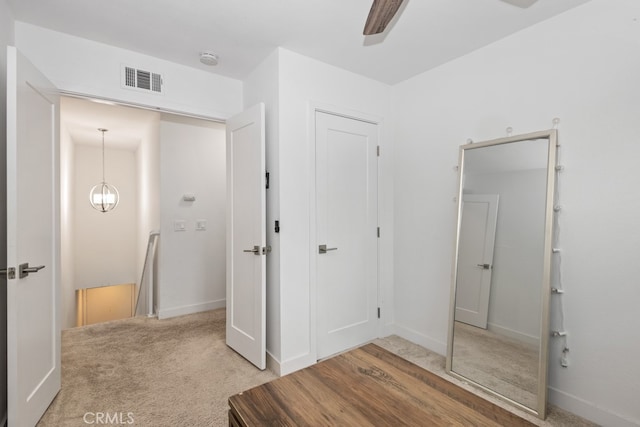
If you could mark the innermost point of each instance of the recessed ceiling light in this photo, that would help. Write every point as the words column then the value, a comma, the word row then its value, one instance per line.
column 208, row 58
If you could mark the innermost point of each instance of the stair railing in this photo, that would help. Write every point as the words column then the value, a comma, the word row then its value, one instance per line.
column 148, row 268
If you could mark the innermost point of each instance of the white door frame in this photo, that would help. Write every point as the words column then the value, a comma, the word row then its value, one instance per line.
column 313, row 242
column 119, row 102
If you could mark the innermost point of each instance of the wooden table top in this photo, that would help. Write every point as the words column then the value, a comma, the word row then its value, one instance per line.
column 368, row 386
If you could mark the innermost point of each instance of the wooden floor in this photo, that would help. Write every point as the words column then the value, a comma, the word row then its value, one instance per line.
column 368, row 386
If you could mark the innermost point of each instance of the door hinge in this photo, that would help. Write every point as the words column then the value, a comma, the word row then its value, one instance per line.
column 378, row 312
column 266, row 175
column 378, row 150
column 378, row 232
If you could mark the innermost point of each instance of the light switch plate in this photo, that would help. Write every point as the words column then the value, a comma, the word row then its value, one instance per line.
column 179, row 225
column 201, row 224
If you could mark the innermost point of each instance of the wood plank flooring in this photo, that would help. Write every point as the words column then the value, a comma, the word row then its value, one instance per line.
column 368, row 386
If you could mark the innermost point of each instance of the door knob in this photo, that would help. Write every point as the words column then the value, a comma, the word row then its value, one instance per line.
column 323, row 249
column 484, row 266
column 24, row 270
column 255, row 250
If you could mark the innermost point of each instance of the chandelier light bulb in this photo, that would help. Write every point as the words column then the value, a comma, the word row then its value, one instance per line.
column 104, row 197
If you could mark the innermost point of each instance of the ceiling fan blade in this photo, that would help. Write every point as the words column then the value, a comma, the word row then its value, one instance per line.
column 521, row 3
column 381, row 13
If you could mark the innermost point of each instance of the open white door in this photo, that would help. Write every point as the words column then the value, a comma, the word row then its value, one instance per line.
column 246, row 235
column 33, row 300
column 475, row 258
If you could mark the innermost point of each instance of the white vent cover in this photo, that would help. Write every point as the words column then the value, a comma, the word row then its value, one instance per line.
column 146, row 81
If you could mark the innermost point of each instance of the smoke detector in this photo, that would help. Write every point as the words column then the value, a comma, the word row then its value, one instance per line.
column 208, row 58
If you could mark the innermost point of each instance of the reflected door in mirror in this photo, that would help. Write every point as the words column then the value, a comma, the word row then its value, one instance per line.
column 475, row 258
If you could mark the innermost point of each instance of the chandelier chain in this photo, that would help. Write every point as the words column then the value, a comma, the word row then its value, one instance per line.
column 103, row 173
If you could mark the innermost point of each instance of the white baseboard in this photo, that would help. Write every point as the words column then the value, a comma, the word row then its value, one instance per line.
column 589, row 410
column 273, row 364
column 281, row 368
column 297, row 363
column 421, row 339
column 386, row 329
column 165, row 313
column 305, row 360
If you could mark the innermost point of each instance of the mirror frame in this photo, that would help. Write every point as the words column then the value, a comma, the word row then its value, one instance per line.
column 552, row 136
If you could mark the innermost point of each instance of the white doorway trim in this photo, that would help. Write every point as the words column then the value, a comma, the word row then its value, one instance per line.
column 313, row 108
column 113, row 101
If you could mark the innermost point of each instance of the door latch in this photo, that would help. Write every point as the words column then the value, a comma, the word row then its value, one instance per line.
column 9, row 272
column 24, row 270
column 257, row 250
column 484, row 266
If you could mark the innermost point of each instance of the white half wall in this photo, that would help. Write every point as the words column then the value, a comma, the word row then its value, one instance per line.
column 148, row 180
column 191, row 263
column 582, row 67
column 67, row 228
column 82, row 66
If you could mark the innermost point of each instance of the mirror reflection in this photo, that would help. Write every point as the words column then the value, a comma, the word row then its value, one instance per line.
column 501, row 272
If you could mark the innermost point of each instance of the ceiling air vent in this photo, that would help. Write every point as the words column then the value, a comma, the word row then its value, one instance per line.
column 146, row 81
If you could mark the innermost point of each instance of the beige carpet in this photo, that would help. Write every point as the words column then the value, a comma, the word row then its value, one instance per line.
column 175, row 372
column 179, row 372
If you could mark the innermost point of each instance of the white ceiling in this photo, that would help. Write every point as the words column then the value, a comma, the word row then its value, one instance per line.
column 424, row 34
column 126, row 126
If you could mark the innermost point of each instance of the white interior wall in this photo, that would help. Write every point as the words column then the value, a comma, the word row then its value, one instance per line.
column 105, row 247
column 301, row 83
column 82, row 66
column 515, row 299
column 6, row 38
column 191, row 266
column 582, row 67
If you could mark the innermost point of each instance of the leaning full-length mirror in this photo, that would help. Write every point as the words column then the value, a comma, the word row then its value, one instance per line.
column 499, row 317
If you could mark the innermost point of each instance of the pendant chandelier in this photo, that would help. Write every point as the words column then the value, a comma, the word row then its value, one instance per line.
column 104, row 197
